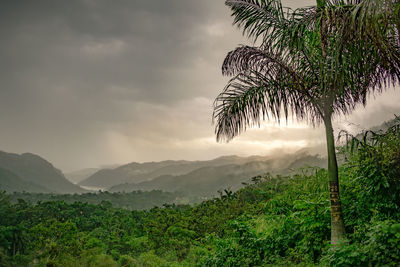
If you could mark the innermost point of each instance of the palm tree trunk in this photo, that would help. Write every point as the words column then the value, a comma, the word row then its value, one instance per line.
column 337, row 224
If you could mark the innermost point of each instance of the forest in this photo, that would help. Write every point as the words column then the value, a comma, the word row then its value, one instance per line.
column 274, row 221
column 137, row 200
column 312, row 64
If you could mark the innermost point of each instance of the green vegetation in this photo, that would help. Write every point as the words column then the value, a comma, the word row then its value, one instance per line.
column 275, row 221
column 137, row 200
column 10, row 182
column 311, row 63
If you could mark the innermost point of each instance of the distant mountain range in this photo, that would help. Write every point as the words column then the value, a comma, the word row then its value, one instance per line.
column 80, row 175
column 199, row 178
column 204, row 181
column 31, row 173
column 139, row 172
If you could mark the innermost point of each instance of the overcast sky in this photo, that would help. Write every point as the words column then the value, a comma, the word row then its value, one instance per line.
column 92, row 82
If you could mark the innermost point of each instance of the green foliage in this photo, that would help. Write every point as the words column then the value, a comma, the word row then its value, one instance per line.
column 241, row 248
column 55, row 237
column 380, row 247
column 293, row 227
column 137, row 200
column 374, row 176
column 100, row 261
column 307, row 65
column 274, row 221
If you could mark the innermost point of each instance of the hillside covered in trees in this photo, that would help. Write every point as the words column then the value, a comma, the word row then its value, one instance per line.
column 201, row 178
column 274, row 221
column 32, row 173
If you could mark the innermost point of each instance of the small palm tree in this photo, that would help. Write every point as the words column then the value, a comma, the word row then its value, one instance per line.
column 312, row 63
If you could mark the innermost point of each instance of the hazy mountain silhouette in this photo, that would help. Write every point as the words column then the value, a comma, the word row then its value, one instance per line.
column 10, row 182
column 80, row 175
column 206, row 181
column 34, row 170
column 139, row 172
column 31, row 173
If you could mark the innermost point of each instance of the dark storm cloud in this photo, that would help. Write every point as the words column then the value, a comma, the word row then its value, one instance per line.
column 94, row 81
column 134, row 44
column 72, row 70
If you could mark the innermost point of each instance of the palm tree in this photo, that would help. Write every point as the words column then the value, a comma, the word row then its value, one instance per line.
column 312, row 63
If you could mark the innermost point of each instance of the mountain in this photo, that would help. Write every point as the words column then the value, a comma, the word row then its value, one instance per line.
column 385, row 125
column 10, row 182
column 134, row 173
column 304, row 161
column 206, row 181
column 139, row 172
column 129, row 172
column 34, row 170
column 80, row 175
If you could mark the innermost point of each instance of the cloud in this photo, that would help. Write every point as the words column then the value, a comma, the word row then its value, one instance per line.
column 91, row 82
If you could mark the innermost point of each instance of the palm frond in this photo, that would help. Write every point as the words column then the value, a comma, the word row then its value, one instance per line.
column 246, row 58
column 368, row 24
column 323, row 60
column 250, row 98
column 256, row 17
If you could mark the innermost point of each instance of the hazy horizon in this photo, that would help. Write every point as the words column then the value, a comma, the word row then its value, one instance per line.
column 88, row 83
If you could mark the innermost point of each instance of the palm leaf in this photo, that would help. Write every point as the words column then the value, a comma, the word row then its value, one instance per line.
column 252, row 97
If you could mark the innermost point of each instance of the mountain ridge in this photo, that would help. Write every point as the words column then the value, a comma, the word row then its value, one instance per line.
column 10, row 182
column 31, row 168
column 207, row 180
column 139, row 172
